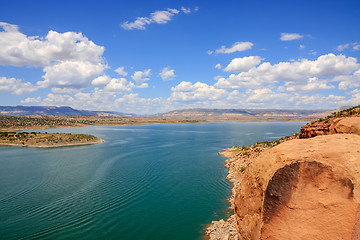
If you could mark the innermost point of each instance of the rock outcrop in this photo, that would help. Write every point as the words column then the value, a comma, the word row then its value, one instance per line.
column 337, row 125
column 302, row 189
column 342, row 120
column 315, row 129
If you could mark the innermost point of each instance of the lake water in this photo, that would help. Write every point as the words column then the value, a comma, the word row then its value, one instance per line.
column 162, row 181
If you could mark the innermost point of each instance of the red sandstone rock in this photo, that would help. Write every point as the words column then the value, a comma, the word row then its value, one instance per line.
column 333, row 126
column 346, row 125
column 302, row 189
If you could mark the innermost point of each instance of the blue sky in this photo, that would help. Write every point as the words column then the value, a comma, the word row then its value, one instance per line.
column 144, row 57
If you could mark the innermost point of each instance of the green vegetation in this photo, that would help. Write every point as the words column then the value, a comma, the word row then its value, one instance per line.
column 349, row 111
column 248, row 150
column 190, row 121
column 41, row 122
column 273, row 143
column 353, row 111
column 7, row 122
column 45, row 139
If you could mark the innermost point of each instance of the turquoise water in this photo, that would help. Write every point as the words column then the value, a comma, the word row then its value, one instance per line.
column 162, row 181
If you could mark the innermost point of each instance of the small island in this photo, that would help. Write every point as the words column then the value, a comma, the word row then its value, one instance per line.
column 46, row 140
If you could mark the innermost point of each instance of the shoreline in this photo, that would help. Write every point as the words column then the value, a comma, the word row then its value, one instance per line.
column 226, row 228
column 238, row 159
column 156, row 121
column 150, row 123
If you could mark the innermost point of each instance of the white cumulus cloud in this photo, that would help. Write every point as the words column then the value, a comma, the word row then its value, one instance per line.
column 265, row 95
column 70, row 74
column 159, row 17
column 325, row 68
column 31, row 100
column 348, row 81
column 59, row 100
column 64, row 90
column 139, row 23
column 186, row 91
column 243, row 64
column 16, row 86
column 167, row 74
column 121, row 71
column 141, row 76
column 132, row 102
column 69, row 60
column 17, row 49
column 119, row 85
column 313, row 84
column 101, row 80
column 236, row 47
column 290, row 36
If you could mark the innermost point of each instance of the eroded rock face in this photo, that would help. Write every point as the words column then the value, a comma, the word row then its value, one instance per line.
column 315, row 129
column 346, row 125
column 302, row 189
column 338, row 125
column 311, row 203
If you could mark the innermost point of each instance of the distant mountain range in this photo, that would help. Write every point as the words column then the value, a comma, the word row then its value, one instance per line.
column 196, row 112
column 51, row 110
column 282, row 113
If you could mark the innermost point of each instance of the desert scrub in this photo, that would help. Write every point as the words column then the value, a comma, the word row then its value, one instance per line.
column 344, row 113
column 34, row 138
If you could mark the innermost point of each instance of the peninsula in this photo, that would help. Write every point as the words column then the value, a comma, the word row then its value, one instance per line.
column 45, row 140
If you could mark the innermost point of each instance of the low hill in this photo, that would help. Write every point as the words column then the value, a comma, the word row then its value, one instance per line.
column 202, row 113
column 254, row 113
column 52, row 110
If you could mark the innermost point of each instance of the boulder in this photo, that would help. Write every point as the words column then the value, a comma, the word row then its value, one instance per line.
column 346, row 125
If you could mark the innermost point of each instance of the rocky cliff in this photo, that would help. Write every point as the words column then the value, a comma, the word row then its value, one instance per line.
column 302, row 189
column 297, row 188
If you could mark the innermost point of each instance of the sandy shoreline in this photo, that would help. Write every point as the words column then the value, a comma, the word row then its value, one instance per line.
column 50, row 146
